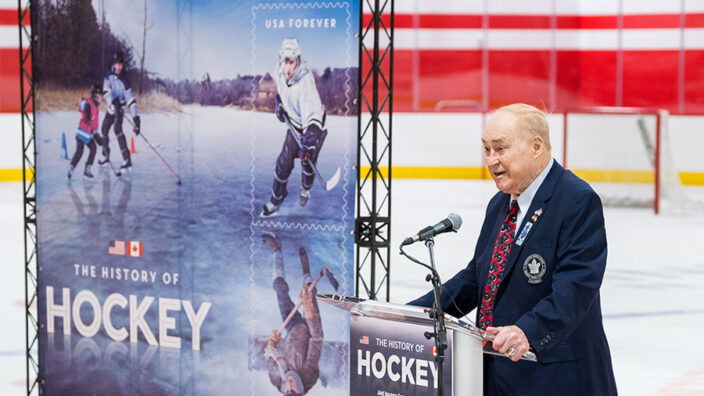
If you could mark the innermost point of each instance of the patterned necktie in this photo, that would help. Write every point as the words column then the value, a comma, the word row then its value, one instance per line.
column 502, row 248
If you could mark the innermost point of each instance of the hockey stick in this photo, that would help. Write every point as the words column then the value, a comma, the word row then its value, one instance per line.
column 329, row 184
column 330, row 277
column 156, row 152
column 116, row 172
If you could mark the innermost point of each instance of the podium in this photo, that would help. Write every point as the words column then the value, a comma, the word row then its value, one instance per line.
column 389, row 354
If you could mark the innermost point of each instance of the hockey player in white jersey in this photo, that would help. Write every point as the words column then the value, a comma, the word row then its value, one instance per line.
column 298, row 102
column 118, row 94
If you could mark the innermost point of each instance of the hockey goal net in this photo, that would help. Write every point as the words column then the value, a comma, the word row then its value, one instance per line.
column 625, row 154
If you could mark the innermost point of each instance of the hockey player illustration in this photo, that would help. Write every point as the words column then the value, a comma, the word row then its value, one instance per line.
column 295, row 370
column 118, row 95
column 86, row 133
column 298, row 105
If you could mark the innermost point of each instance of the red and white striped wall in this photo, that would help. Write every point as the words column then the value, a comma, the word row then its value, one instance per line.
column 10, row 127
column 9, row 58
column 465, row 56
column 553, row 54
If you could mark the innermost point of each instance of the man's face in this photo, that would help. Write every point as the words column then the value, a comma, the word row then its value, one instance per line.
column 117, row 66
column 291, row 386
column 289, row 67
column 509, row 157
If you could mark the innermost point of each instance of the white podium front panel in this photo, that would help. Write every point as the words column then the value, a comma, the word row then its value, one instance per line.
column 391, row 322
column 467, row 365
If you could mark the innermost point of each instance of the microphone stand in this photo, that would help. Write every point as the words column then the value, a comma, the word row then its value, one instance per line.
column 436, row 313
column 438, row 316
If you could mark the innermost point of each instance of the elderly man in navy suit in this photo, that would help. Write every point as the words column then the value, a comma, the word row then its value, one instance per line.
column 537, row 268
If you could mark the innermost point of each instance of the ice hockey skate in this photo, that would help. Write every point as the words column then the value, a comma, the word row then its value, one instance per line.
column 269, row 210
column 87, row 172
column 104, row 159
column 305, row 196
column 126, row 165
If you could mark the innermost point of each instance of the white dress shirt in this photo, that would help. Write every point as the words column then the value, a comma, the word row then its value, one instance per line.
column 525, row 199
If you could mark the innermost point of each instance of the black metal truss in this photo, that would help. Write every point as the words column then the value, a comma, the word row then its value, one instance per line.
column 373, row 220
column 29, row 190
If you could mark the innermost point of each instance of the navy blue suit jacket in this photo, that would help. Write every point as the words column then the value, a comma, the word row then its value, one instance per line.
column 550, row 290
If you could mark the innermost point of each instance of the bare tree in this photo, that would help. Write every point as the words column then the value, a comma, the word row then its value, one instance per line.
column 142, row 73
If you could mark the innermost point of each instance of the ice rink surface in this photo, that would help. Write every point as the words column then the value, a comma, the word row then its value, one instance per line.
column 652, row 295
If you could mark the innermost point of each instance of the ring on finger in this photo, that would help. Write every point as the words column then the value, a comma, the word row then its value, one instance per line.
column 511, row 352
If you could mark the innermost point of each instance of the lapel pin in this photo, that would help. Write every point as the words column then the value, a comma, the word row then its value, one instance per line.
column 524, row 233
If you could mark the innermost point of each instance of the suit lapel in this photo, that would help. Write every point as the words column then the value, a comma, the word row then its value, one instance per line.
column 534, row 215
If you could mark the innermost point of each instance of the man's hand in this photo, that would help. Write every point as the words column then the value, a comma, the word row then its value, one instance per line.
column 280, row 112
column 274, row 338
column 114, row 106
column 506, row 337
column 306, row 296
column 137, row 124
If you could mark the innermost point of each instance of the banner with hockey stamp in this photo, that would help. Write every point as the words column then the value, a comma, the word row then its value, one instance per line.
column 195, row 189
column 303, row 187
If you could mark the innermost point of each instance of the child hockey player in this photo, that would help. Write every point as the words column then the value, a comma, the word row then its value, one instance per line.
column 86, row 134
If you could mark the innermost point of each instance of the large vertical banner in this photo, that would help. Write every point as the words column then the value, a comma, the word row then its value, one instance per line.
column 301, row 196
column 195, row 189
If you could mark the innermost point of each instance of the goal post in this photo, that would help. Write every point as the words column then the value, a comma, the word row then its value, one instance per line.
column 622, row 152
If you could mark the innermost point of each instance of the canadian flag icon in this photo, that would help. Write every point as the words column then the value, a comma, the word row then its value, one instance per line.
column 134, row 249
column 433, row 350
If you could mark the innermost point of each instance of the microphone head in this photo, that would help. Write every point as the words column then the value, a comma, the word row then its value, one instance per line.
column 456, row 221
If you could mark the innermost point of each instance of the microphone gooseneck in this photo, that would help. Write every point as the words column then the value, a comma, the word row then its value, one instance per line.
column 452, row 223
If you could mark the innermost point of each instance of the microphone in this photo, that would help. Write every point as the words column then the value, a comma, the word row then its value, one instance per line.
column 451, row 223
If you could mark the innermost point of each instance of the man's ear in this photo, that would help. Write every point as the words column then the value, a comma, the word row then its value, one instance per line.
column 537, row 145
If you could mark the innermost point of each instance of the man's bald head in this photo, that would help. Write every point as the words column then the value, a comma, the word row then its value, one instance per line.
column 516, row 146
column 530, row 121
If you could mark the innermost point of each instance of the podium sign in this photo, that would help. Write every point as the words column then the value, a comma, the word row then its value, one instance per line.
column 389, row 354
column 394, row 358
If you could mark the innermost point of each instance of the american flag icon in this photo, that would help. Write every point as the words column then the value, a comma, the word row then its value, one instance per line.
column 117, row 248
column 364, row 340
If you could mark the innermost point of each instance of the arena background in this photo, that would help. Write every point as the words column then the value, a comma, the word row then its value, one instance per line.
column 454, row 61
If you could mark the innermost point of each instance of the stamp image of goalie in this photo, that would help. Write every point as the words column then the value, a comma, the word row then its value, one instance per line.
column 298, row 105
